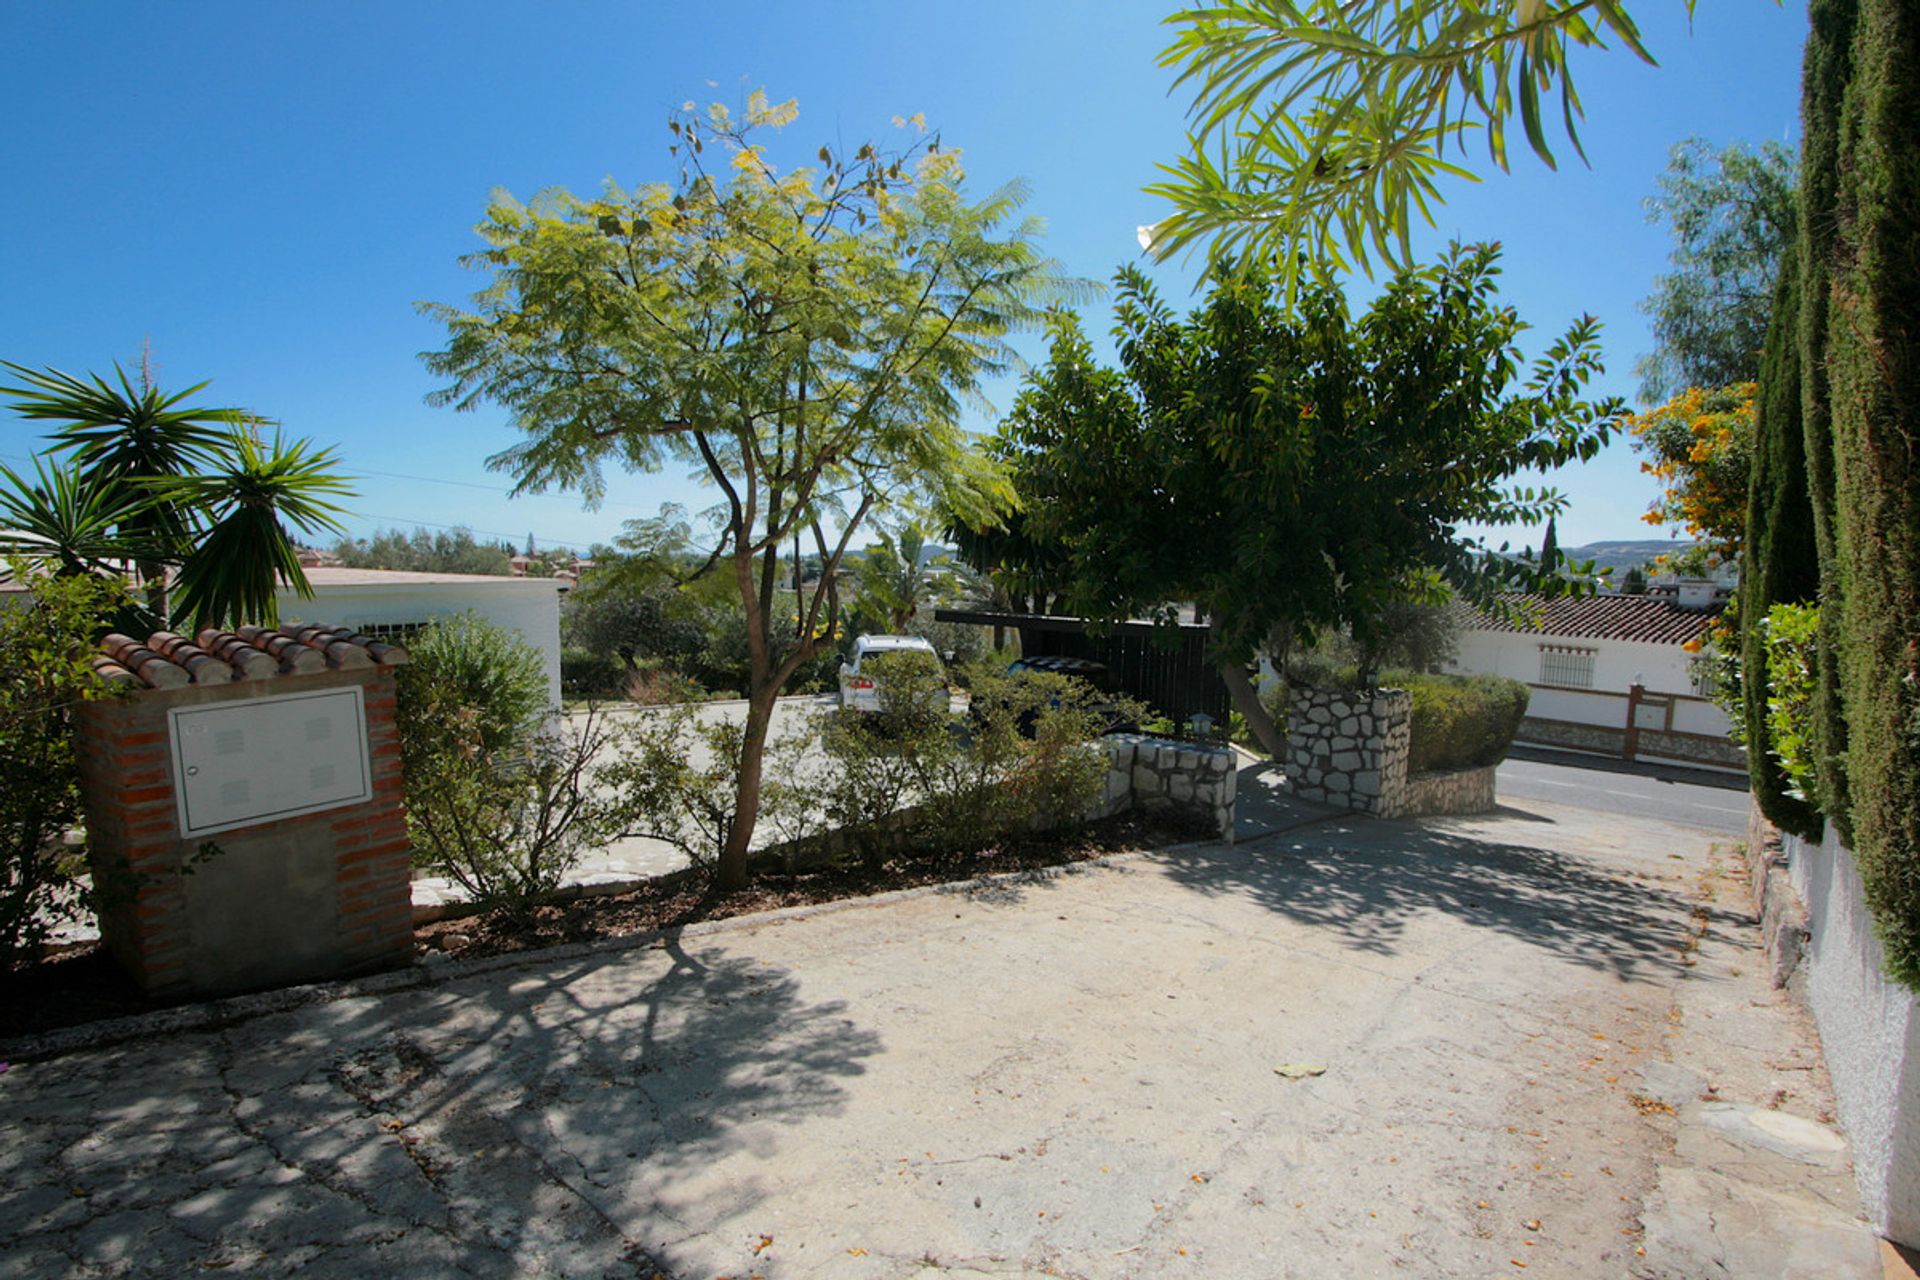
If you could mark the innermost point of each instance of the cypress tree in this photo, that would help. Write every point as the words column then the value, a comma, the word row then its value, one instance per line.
column 1823, row 87
column 1779, row 564
column 1873, row 353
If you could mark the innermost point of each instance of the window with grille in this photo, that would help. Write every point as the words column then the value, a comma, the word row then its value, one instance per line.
column 1567, row 667
column 390, row 632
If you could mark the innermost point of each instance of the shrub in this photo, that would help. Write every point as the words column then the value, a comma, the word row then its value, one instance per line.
column 508, row 824
column 677, row 774
column 1460, row 722
column 914, row 779
column 468, row 678
column 495, row 801
column 1790, row 639
column 44, row 674
column 588, row 676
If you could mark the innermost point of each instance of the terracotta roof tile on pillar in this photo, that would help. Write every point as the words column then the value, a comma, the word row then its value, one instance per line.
column 168, row 661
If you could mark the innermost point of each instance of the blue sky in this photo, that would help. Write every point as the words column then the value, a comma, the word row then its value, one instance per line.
column 265, row 191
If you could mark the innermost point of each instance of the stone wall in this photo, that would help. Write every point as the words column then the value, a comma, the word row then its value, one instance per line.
column 1607, row 740
column 1154, row 773
column 1350, row 748
column 1449, row 791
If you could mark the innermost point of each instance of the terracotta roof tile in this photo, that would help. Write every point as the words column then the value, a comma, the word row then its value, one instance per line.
column 1646, row 619
column 169, row 661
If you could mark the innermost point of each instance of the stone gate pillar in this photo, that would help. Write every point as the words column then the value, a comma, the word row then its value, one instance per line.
column 243, row 804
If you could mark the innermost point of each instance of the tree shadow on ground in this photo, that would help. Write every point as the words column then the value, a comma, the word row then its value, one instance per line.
column 1366, row 881
column 562, row 1118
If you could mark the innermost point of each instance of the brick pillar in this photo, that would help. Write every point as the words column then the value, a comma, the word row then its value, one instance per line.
column 257, row 901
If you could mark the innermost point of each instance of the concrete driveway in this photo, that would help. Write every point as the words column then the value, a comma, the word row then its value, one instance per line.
column 1109, row 1073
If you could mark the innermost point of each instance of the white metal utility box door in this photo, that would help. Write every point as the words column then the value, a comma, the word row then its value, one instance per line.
column 243, row 763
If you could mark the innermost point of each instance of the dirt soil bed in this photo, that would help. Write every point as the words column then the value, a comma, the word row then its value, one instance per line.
column 85, row 984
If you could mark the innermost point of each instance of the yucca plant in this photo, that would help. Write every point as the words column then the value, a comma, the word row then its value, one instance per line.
column 251, row 493
column 189, row 494
column 67, row 519
column 120, row 437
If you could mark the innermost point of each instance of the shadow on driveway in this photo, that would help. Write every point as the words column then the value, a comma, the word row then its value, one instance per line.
column 1366, row 880
column 516, row 1123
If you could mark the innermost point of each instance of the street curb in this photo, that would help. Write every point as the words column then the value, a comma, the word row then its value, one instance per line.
column 428, row 972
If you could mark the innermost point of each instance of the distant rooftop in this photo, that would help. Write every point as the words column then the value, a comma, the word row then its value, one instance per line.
column 1647, row 619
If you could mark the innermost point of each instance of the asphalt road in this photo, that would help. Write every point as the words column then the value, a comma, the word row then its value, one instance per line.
column 1700, row 798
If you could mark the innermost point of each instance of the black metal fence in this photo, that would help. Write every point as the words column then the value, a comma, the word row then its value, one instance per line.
column 1176, row 681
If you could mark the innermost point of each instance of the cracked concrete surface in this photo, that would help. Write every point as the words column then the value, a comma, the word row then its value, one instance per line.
column 1072, row 1078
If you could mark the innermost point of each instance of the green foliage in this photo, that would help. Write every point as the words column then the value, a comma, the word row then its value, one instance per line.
column 172, row 488
column 1789, row 637
column 1779, row 567
column 44, row 676
column 1732, row 213
column 508, row 823
column 678, row 775
column 1417, row 634
column 1829, row 61
column 589, row 677
column 495, row 799
column 913, row 780
column 1288, row 473
column 1873, row 363
column 804, row 339
column 1635, row 583
column 1319, row 126
column 657, row 623
column 244, row 553
column 1460, row 722
column 424, row 551
column 469, row 686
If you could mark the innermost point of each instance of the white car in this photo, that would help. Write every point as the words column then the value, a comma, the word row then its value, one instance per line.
column 856, row 691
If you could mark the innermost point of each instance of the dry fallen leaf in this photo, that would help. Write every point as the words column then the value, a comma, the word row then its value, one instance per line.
column 858, row 1253
column 766, row 1243
column 1299, row 1070
column 1531, row 1224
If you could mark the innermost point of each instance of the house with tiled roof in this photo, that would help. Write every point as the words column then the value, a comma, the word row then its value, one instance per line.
column 1608, row 673
column 390, row 604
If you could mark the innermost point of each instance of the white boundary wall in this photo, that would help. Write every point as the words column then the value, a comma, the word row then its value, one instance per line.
column 1870, row 1029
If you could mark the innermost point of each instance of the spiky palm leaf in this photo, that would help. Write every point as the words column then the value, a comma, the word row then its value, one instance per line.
column 66, row 518
column 250, row 495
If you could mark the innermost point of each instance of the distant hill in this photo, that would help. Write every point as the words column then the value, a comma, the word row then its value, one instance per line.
column 1624, row 555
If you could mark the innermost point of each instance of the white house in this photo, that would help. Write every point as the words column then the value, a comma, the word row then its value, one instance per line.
column 1609, row 673
column 387, row 603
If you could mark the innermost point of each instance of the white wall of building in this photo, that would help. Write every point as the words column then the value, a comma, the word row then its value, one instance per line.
column 365, row 597
column 1662, row 668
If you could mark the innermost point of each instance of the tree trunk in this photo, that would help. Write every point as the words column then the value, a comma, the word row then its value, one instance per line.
column 730, row 872
column 1247, row 702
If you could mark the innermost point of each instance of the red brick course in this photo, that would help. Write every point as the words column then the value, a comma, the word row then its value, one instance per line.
column 127, row 780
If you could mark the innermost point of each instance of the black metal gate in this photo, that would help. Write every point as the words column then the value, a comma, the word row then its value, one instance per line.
column 1176, row 681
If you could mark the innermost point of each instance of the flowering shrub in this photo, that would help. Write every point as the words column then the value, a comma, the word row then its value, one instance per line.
column 1699, row 445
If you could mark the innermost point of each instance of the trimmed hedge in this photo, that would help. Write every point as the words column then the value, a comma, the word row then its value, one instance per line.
column 1873, row 362
column 1828, row 67
column 1781, row 564
column 1460, row 722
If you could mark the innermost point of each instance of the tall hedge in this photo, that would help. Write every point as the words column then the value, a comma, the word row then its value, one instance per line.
column 1873, row 364
column 1829, row 58
column 1780, row 563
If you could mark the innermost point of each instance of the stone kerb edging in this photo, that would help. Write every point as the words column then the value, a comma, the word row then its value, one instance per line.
column 1155, row 773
